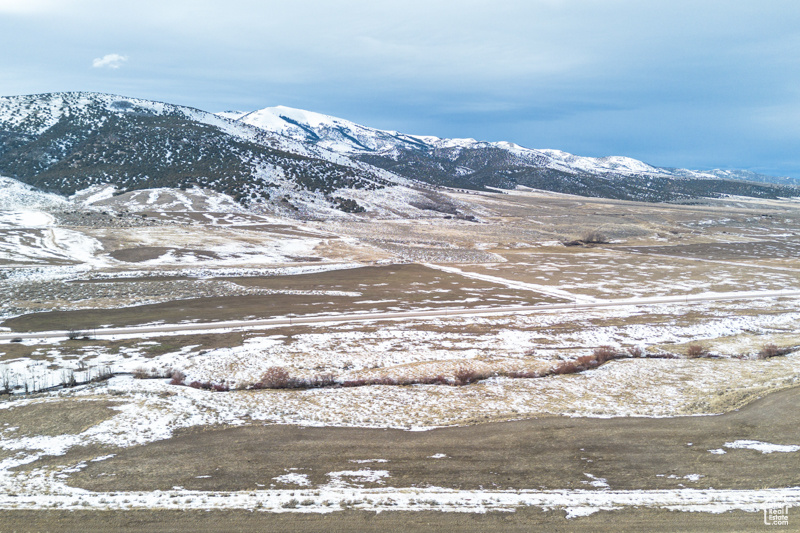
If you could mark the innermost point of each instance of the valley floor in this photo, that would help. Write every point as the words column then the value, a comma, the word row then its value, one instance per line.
column 627, row 443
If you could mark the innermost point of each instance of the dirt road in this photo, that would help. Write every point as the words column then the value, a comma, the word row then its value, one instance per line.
column 221, row 327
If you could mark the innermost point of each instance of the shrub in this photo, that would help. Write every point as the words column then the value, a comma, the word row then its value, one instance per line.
column 275, row 377
column 567, row 367
column 407, row 380
column 103, row 374
column 141, row 373
column 464, row 375
column 604, row 353
column 178, row 378
column 322, row 380
column 635, row 351
column 586, row 362
column 660, row 355
column 695, row 350
column 767, row 351
column 770, row 350
column 291, row 504
column 594, row 237
column 5, row 380
column 523, row 374
column 433, row 380
column 68, row 378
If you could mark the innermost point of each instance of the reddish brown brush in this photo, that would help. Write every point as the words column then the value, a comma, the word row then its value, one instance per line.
column 695, row 350
column 275, row 377
column 604, row 354
column 635, row 351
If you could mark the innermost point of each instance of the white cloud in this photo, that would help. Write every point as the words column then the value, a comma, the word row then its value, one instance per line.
column 109, row 61
column 24, row 7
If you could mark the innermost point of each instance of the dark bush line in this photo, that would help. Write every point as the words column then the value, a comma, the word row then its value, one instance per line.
column 207, row 385
column 588, row 238
column 770, row 350
column 279, row 378
column 153, row 373
column 424, row 380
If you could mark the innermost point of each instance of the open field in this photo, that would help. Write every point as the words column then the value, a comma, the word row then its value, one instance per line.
column 694, row 472
column 614, row 437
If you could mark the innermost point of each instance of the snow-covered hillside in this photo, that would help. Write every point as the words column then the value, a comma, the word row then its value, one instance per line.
column 68, row 142
column 16, row 196
column 335, row 134
column 346, row 137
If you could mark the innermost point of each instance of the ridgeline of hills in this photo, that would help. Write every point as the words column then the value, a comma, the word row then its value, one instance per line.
column 307, row 164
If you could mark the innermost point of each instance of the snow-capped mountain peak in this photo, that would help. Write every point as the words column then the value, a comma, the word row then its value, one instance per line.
column 348, row 138
column 328, row 132
column 371, row 144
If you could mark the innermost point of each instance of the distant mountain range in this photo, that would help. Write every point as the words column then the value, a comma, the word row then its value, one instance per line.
column 307, row 164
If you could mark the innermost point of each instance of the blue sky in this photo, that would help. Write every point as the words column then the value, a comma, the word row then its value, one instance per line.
column 696, row 84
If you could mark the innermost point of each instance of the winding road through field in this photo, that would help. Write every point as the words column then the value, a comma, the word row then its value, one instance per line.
column 212, row 327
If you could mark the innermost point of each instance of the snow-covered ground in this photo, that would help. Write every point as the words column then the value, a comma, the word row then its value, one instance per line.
column 149, row 410
column 196, row 235
column 41, row 493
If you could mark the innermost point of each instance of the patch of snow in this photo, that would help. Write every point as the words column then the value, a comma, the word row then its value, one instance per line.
column 293, row 478
column 18, row 196
column 348, row 478
column 594, row 481
column 763, row 447
column 25, row 219
column 94, row 194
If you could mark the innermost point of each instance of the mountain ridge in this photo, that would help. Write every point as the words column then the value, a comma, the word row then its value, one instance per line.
column 324, row 129
column 65, row 142
column 303, row 164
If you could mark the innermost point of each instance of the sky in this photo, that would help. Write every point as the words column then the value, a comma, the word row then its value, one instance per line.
column 693, row 84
